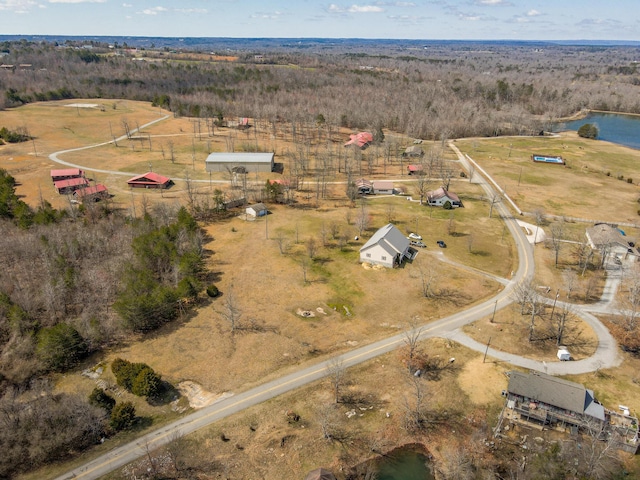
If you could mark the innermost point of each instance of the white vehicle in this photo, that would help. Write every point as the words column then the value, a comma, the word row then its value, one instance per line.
column 415, row 236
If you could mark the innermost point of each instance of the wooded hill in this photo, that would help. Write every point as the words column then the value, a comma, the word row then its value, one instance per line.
column 449, row 89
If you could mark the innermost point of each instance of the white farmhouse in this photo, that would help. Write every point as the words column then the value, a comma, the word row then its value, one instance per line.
column 387, row 247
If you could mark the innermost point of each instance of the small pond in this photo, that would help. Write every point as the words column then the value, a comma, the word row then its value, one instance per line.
column 612, row 127
column 404, row 464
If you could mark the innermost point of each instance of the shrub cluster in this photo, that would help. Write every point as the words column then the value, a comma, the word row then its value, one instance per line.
column 137, row 378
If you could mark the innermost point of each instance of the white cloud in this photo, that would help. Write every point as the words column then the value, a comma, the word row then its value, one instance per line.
column 333, row 8
column 77, row 1
column 154, row 10
column 192, row 10
column 494, row 2
column 127, row 5
column 365, row 9
column 468, row 17
column 17, row 6
column 267, row 16
column 533, row 13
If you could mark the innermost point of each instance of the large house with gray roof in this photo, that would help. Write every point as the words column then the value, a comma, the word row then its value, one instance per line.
column 545, row 402
column 387, row 247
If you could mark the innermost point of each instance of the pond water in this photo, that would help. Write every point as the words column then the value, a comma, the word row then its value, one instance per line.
column 616, row 128
column 403, row 464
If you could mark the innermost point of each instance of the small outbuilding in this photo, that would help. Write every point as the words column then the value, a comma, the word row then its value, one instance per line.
column 414, row 169
column 240, row 162
column 563, row 354
column 257, row 210
column 92, row 193
column 66, row 174
column 150, row 180
column 70, row 185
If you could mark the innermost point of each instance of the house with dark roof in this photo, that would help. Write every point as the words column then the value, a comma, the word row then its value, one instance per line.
column 546, row 402
column 414, row 151
column 149, row 180
column 609, row 240
column 440, row 197
column 387, row 247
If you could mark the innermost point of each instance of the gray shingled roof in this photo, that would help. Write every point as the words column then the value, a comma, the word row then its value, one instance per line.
column 389, row 238
column 555, row 391
column 603, row 234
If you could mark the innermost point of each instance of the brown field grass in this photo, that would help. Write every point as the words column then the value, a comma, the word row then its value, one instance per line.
column 579, row 189
column 269, row 287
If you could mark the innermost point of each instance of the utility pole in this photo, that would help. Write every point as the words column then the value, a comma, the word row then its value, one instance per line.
column 494, row 311
column 486, row 350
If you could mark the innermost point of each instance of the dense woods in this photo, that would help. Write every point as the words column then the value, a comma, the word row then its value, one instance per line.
column 450, row 90
column 59, row 282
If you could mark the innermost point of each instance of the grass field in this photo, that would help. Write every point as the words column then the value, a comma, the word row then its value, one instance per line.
column 270, row 289
column 593, row 180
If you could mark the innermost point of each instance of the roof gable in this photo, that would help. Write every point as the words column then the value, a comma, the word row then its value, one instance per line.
column 149, row 177
column 389, row 238
column 555, row 391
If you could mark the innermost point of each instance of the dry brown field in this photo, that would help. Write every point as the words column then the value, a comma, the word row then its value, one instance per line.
column 270, row 289
column 586, row 187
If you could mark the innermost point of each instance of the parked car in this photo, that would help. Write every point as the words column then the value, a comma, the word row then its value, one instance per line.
column 414, row 236
column 441, row 244
column 417, row 243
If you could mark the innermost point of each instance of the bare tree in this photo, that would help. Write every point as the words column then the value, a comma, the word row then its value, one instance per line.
column 312, row 247
column 415, row 414
column 557, row 237
column 231, row 312
column 282, row 242
column 411, row 338
column 390, row 212
column 428, row 275
column 493, row 199
column 304, row 264
column 362, row 219
column 336, row 371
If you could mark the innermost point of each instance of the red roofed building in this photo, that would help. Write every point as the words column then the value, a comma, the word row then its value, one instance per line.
column 92, row 193
column 414, row 169
column 70, row 185
column 66, row 173
column 362, row 140
column 150, row 180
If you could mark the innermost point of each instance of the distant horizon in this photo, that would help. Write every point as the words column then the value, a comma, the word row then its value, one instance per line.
column 465, row 20
column 565, row 42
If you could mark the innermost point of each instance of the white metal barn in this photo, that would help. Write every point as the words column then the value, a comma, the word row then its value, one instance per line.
column 240, row 162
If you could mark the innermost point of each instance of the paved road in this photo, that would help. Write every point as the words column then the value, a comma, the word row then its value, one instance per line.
column 449, row 327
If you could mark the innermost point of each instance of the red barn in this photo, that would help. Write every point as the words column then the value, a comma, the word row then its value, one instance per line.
column 150, row 180
column 70, row 185
column 66, row 173
column 92, row 193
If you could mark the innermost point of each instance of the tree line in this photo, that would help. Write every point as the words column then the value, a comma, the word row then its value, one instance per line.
column 455, row 93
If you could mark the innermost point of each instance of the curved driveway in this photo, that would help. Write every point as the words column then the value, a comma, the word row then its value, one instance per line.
column 449, row 327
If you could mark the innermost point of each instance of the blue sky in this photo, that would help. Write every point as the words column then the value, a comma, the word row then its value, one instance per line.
column 415, row 19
